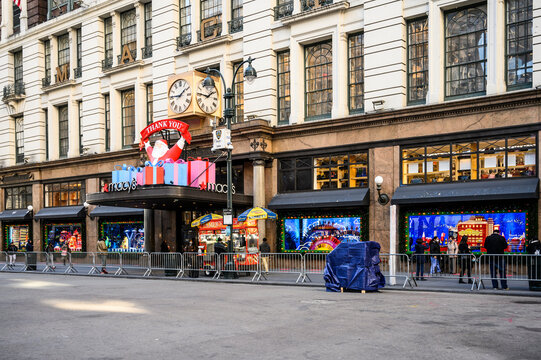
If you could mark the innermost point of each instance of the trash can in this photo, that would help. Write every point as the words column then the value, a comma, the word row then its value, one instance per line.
column 534, row 265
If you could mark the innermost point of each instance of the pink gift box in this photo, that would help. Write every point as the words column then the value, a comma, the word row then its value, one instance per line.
column 201, row 171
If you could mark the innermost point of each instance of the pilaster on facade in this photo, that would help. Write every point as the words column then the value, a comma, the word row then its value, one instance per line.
column 536, row 41
column 116, row 119
column 140, row 111
column 297, row 77
column 73, row 127
column 140, row 16
column 115, row 20
column 53, row 40
column 6, row 26
column 340, row 74
column 495, row 52
column 53, row 135
column 72, row 34
column 436, row 49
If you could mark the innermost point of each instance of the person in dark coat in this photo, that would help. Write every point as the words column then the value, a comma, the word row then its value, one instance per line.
column 495, row 245
column 465, row 259
column 434, row 255
column 420, row 248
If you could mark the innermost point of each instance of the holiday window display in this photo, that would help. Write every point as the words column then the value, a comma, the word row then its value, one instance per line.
column 17, row 235
column 123, row 236
column 59, row 234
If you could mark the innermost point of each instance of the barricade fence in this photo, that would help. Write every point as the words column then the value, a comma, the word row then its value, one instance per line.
column 475, row 269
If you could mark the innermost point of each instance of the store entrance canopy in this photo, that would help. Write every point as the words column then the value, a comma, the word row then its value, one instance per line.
column 508, row 189
column 11, row 215
column 321, row 199
column 62, row 212
column 116, row 211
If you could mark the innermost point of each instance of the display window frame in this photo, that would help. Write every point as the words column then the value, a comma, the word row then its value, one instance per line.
column 45, row 232
column 362, row 214
column 5, row 226
column 103, row 221
column 474, row 160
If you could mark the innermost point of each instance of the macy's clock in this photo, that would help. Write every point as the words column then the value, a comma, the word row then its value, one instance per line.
column 207, row 100
column 180, row 96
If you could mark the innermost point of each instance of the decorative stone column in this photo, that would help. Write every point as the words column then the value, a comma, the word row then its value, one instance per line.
column 7, row 19
column 24, row 16
column 115, row 20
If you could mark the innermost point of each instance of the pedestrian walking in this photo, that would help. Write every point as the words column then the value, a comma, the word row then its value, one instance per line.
column 420, row 248
column 49, row 254
column 65, row 250
column 102, row 253
column 495, row 244
column 265, row 249
column 435, row 252
column 12, row 254
column 452, row 251
column 465, row 259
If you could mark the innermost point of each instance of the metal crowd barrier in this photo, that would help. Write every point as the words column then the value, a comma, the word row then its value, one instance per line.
column 236, row 263
column 394, row 266
column 36, row 261
column 18, row 260
column 80, row 260
column 106, row 260
column 195, row 264
column 500, row 269
column 444, row 266
column 133, row 261
column 166, row 262
column 280, row 263
column 313, row 263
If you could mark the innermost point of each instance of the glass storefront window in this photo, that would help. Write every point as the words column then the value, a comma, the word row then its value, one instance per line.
column 18, row 235
column 123, row 236
column 61, row 233
column 492, row 158
column 64, row 194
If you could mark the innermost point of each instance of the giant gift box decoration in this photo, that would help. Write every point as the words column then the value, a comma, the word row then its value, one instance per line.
column 153, row 174
column 201, row 171
column 176, row 172
column 123, row 173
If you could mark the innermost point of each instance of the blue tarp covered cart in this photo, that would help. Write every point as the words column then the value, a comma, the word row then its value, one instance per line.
column 354, row 266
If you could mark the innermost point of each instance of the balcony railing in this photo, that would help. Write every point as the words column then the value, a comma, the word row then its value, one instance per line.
column 235, row 25
column 147, row 52
column 283, row 10
column 133, row 55
column 313, row 4
column 13, row 90
column 106, row 63
column 183, row 40
column 78, row 72
column 209, row 31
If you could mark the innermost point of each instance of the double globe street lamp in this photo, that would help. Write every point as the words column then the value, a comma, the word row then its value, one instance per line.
column 229, row 113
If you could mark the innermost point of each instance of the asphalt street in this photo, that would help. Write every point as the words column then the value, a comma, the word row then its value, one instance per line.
column 72, row 317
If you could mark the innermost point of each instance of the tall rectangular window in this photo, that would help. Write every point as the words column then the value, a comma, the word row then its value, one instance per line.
column 150, row 104
column 185, row 37
column 147, row 51
column 108, row 45
column 128, row 117
column 209, row 10
column 128, row 30
column 318, row 80
column 284, row 88
column 78, row 70
column 18, row 67
column 239, row 94
column 47, row 47
column 65, row 194
column 63, row 131
column 19, row 140
column 417, row 61
column 466, row 51
column 46, row 134
column 63, row 50
column 236, row 23
column 16, row 19
column 18, row 197
column 356, row 73
column 107, row 101
column 80, row 118
column 519, row 43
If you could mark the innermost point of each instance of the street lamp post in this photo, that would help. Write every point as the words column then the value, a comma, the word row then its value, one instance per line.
column 229, row 113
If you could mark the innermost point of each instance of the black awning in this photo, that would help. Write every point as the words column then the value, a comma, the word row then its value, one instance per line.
column 61, row 212
column 508, row 189
column 116, row 211
column 10, row 215
column 321, row 199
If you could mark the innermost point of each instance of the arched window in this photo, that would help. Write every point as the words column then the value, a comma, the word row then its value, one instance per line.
column 318, row 80
column 465, row 48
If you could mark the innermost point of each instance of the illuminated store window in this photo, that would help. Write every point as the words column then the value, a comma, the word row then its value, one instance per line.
column 18, row 197
column 417, row 61
column 63, row 131
column 324, row 172
column 284, row 88
column 318, row 81
column 128, row 117
column 494, row 158
column 356, row 73
column 465, row 51
column 519, row 43
column 64, row 194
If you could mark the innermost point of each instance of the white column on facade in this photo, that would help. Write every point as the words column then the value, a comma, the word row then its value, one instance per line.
column 340, row 74
column 226, row 16
column 436, row 54
column 115, row 19
column 140, row 16
column 116, row 119
column 196, row 20
column 72, row 34
column 496, row 47
column 297, row 82
column 296, row 6
column 54, row 146
column 54, row 57
column 73, row 127
column 24, row 16
column 140, row 109
column 7, row 19
column 536, row 41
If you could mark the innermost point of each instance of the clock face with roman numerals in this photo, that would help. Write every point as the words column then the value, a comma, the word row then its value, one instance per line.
column 180, row 96
column 207, row 100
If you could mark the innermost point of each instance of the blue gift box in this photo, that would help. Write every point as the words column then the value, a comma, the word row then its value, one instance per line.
column 176, row 173
column 123, row 173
